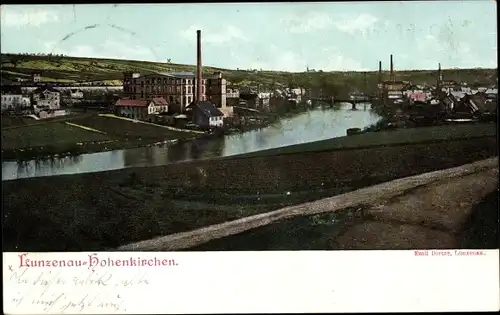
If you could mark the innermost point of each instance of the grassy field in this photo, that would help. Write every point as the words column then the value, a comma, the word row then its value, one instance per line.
column 53, row 134
column 129, row 130
column 28, row 139
column 9, row 122
column 78, row 69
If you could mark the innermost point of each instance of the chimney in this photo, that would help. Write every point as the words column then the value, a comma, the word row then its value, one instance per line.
column 440, row 74
column 198, row 66
column 380, row 71
column 392, row 69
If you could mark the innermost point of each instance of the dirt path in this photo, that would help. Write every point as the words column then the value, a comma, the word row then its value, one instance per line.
column 431, row 216
column 423, row 211
column 148, row 123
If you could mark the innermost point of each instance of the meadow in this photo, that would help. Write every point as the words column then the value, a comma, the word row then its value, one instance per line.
column 29, row 139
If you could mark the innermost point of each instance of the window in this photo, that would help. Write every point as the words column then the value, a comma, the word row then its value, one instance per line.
column 178, row 81
column 142, row 94
column 190, row 90
column 147, row 81
column 190, row 99
column 164, row 81
column 142, row 83
column 184, row 90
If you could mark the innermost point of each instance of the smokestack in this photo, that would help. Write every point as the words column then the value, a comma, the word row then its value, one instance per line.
column 392, row 69
column 198, row 66
column 380, row 71
column 440, row 74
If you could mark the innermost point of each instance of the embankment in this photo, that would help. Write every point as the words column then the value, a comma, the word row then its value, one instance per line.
column 426, row 211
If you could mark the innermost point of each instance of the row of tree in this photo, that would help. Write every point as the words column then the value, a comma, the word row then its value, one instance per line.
column 37, row 54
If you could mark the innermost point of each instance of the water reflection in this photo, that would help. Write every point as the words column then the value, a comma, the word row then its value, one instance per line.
column 317, row 124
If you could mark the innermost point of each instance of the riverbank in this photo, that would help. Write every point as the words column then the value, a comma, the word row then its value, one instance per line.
column 68, row 213
column 74, row 135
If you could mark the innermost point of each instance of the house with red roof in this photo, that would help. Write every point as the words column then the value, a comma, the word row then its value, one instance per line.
column 140, row 109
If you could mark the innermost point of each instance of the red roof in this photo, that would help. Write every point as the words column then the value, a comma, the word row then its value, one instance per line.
column 132, row 103
column 159, row 101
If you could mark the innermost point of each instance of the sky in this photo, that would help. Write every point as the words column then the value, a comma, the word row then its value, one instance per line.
column 336, row 36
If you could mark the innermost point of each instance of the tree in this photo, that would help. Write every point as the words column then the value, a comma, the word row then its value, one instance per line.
column 292, row 83
column 14, row 59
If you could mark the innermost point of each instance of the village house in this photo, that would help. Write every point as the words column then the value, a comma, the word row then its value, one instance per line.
column 457, row 95
column 140, row 109
column 492, row 94
column 250, row 100
column 76, row 94
column 36, row 78
column 467, row 105
column 484, row 103
column 14, row 102
column 264, row 100
column 232, row 95
column 416, row 93
column 177, row 88
column 232, row 91
column 160, row 105
column 47, row 97
column 206, row 115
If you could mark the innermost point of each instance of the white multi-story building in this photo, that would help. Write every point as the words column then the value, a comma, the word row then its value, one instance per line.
column 14, row 101
column 47, row 97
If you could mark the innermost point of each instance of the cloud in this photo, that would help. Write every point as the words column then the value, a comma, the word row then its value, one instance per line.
column 306, row 23
column 27, row 17
column 313, row 21
column 430, row 44
column 109, row 49
column 276, row 59
column 229, row 34
column 330, row 59
column 461, row 54
column 362, row 23
column 335, row 60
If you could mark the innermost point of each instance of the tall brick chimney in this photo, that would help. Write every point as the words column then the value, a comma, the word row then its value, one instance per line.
column 198, row 66
column 380, row 71
column 440, row 74
column 392, row 69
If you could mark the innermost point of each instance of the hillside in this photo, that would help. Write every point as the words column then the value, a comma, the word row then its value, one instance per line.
column 109, row 71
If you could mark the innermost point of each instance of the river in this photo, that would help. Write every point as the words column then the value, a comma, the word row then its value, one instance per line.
column 313, row 125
